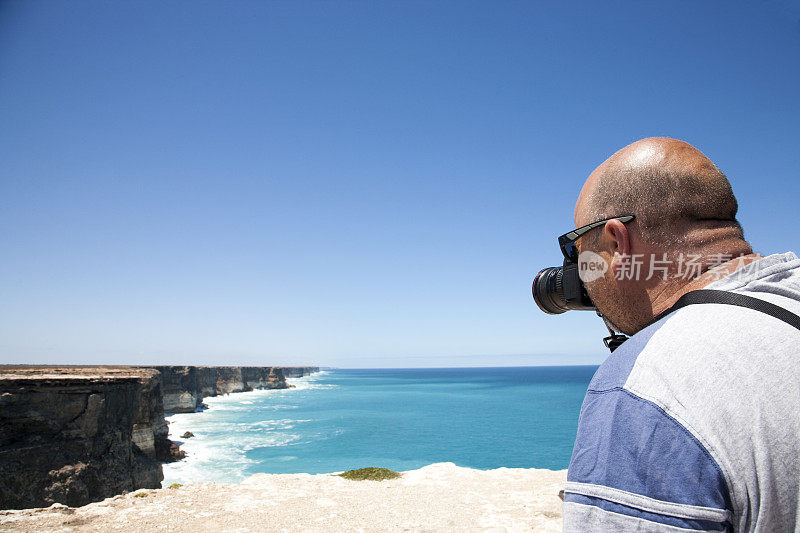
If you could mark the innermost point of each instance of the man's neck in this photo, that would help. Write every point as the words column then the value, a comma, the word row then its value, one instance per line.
column 670, row 293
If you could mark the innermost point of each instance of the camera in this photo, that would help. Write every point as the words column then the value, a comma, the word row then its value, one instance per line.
column 559, row 289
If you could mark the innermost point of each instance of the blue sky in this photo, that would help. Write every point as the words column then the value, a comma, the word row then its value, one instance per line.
column 355, row 184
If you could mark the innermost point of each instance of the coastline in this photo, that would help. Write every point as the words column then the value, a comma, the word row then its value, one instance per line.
column 399, row 420
column 202, row 455
column 77, row 434
column 437, row 497
column 440, row 496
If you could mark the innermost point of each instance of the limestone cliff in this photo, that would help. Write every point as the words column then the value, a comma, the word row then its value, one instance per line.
column 180, row 388
column 299, row 371
column 77, row 435
column 184, row 387
column 258, row 377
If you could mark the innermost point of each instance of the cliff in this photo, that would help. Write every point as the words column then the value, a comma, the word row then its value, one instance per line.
column 299, row 371
column 76, row 435
column 184, row 387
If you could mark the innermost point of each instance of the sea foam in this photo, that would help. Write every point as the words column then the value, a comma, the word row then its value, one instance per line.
column 232, row 426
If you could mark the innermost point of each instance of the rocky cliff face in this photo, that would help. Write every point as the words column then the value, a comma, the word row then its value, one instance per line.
column 184, row 387
column 299, row 371
column 229, row 379
column 77, row 435
column 258, row 377
column 180, row 388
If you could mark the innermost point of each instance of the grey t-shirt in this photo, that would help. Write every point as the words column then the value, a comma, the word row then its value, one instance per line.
column 693, row 424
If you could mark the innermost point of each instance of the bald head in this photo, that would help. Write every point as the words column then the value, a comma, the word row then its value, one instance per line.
column 685, row 210
column 677, row 194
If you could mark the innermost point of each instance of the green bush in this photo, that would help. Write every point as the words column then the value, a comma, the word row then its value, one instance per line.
column 371, row 473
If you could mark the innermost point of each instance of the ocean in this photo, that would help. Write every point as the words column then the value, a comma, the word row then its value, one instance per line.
column 400, row 419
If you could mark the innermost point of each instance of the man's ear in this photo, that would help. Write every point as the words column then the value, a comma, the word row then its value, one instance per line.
column 619, row 242
column 619, row 236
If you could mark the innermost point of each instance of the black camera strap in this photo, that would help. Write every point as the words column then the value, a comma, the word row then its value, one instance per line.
column 713, row 296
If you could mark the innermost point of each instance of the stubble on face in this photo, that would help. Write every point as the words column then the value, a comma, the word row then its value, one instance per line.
column 614, row 302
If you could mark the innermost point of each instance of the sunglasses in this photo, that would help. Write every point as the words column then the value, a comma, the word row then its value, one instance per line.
column 567, row 241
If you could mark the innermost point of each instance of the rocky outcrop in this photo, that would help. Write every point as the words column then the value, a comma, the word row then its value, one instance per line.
column 76, row 435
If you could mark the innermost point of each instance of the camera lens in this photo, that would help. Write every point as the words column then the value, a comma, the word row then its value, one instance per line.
column 559, row 289
column 548, row 290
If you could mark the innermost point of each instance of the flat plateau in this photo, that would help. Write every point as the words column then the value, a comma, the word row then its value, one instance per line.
column 437, row 497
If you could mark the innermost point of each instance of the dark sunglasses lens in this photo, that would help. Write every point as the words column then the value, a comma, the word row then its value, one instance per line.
column 570, row 251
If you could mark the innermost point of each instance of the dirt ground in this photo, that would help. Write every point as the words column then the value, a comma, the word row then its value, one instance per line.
column 438, row 497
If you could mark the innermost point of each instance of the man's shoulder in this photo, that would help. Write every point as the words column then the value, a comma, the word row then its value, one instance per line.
column 714, row 344
column 674, row 334
column 687, row 413
column 635, row 465
column 707, row 341
column 642, row 451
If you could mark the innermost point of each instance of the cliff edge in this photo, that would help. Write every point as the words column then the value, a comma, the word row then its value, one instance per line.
column 79, row 434
column 437, row 497
column 76, row 435
column 184, row 387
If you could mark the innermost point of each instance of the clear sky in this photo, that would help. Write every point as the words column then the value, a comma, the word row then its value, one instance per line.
column 354, row 184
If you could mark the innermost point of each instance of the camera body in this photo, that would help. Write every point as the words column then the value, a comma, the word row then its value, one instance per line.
column 560, row 289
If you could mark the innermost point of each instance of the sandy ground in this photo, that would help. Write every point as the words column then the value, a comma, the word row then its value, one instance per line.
column 438, row 497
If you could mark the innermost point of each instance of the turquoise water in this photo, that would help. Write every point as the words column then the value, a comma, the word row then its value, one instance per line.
column 400, row 419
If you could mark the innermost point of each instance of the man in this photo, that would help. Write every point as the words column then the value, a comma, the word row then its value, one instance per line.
column 693, row 424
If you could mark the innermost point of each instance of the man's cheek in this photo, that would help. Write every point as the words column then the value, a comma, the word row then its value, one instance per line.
column 595, row 289
column 600, row 291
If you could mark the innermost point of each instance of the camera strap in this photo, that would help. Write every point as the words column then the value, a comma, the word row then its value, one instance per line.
column 713, row 296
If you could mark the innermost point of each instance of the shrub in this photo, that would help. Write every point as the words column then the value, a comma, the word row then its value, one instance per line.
column 371, row 473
